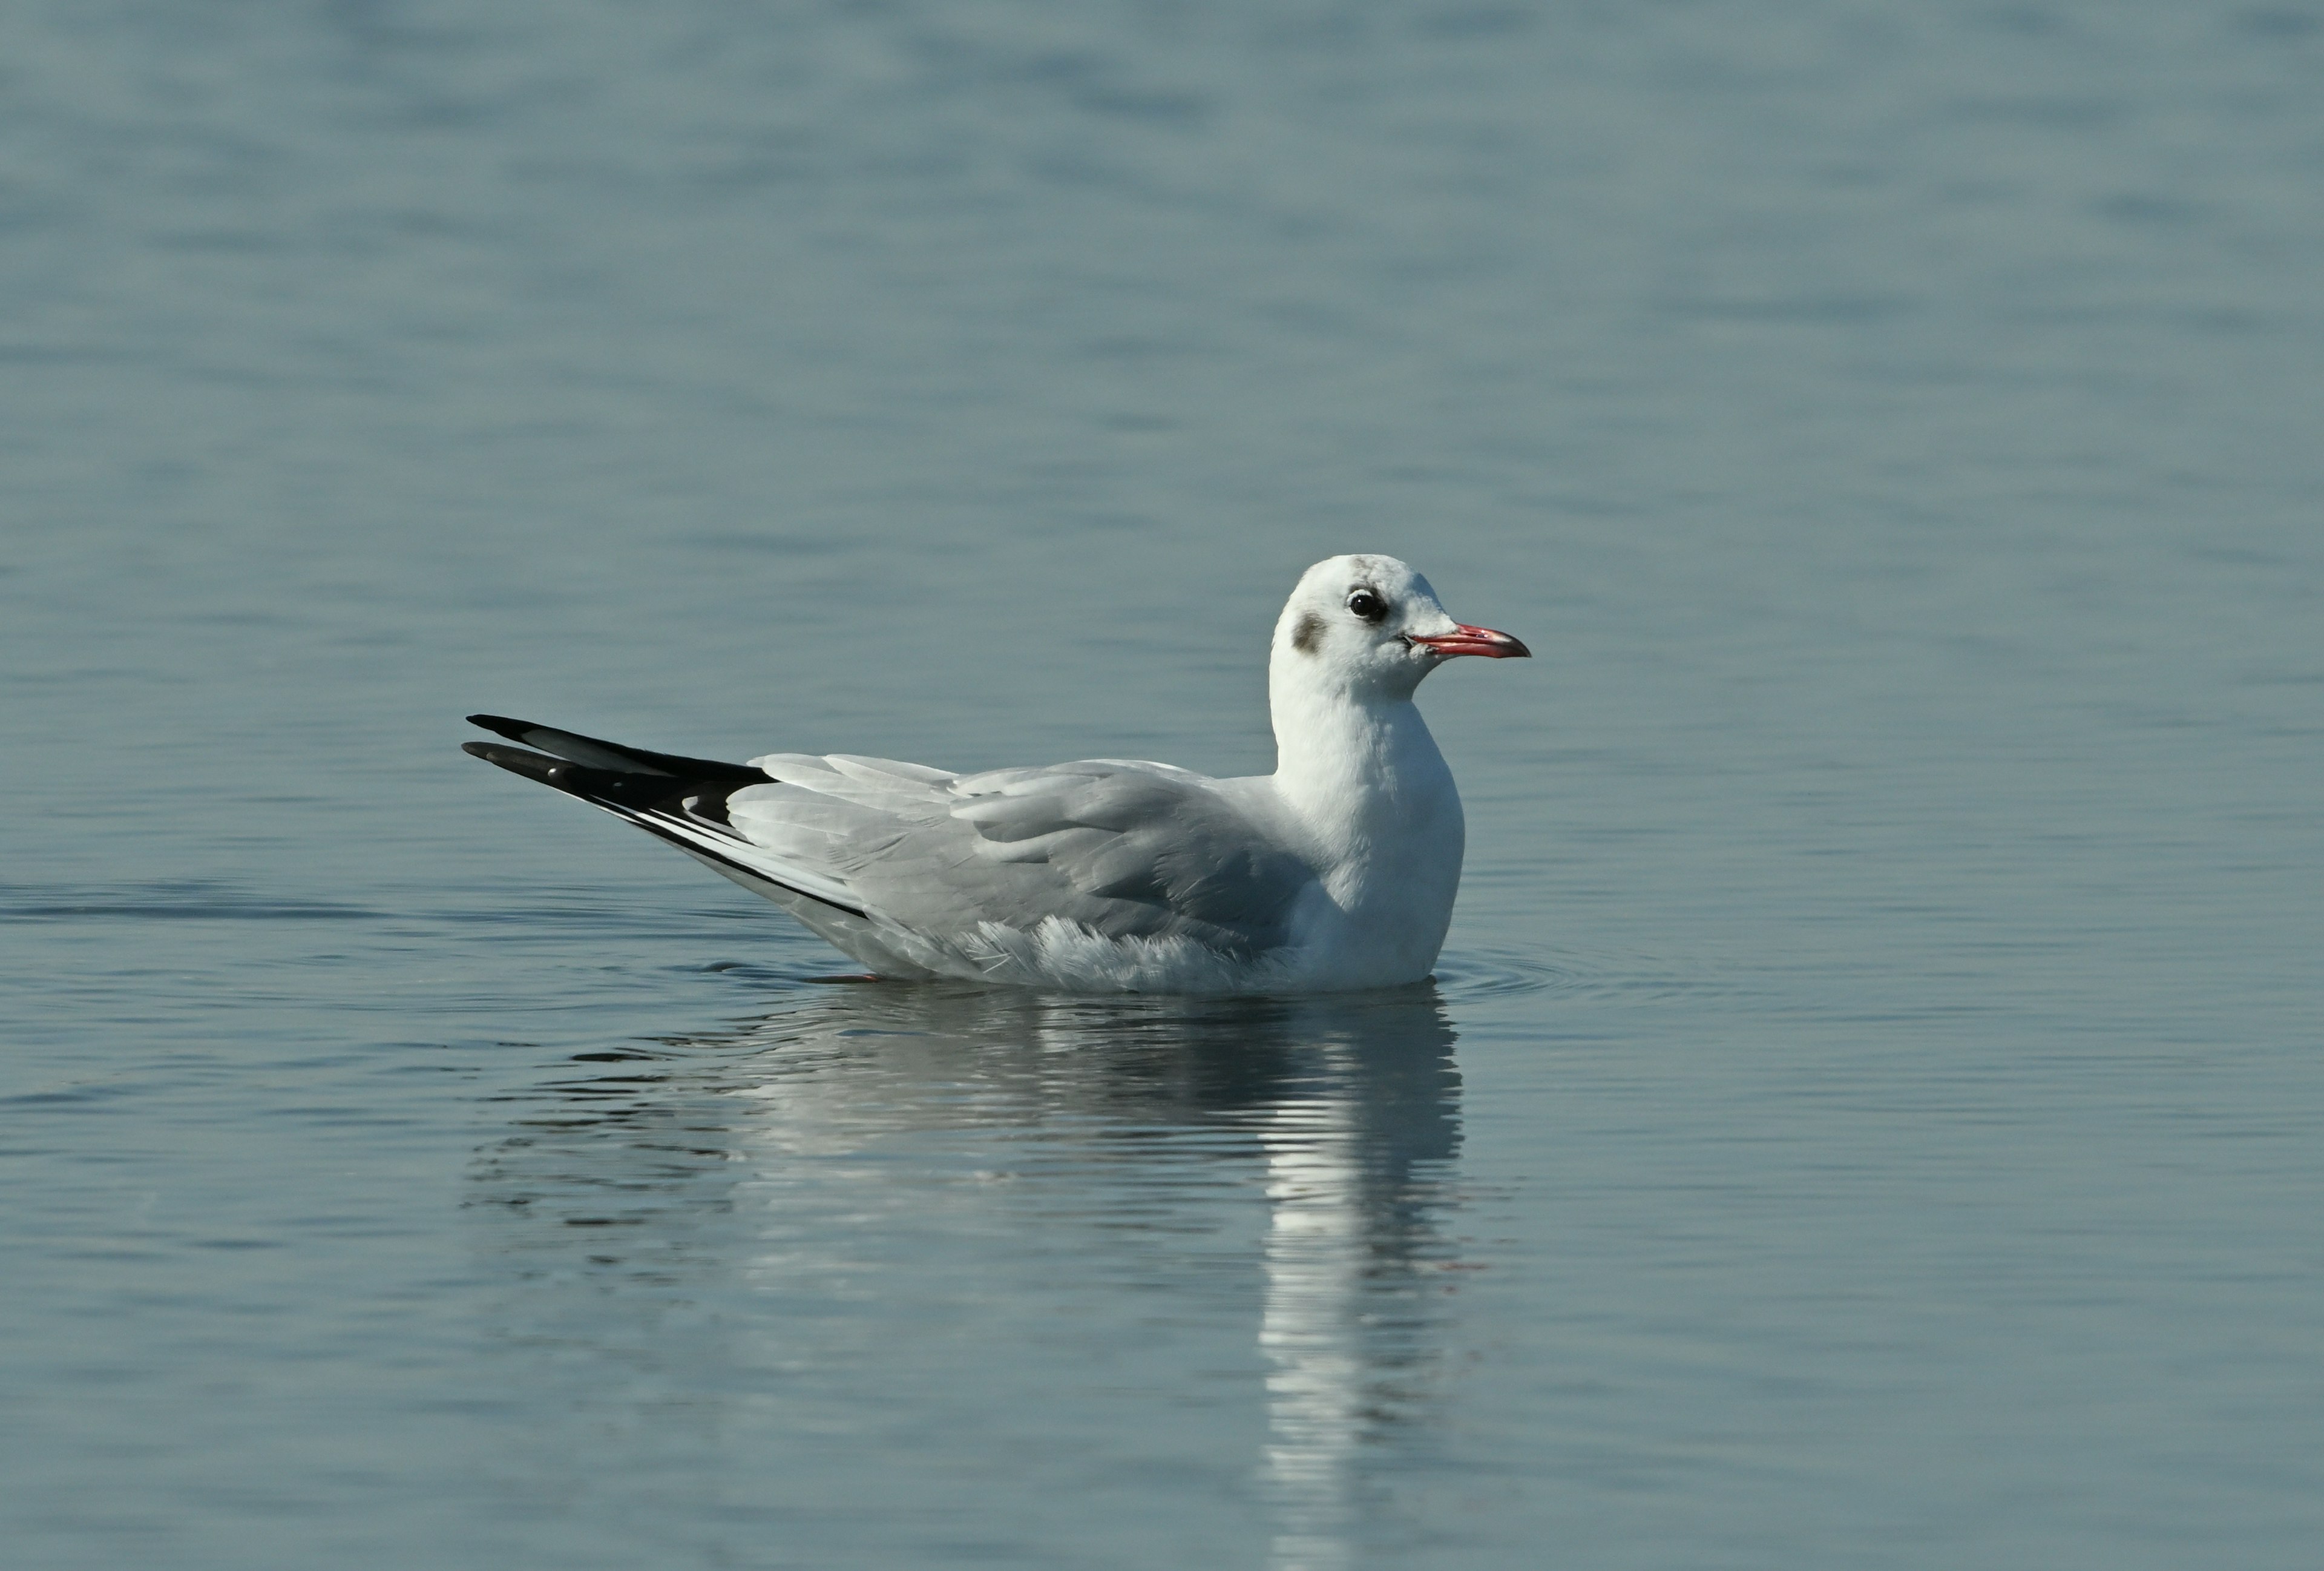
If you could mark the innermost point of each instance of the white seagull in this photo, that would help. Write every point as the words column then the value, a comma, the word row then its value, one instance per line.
column 1336, row 872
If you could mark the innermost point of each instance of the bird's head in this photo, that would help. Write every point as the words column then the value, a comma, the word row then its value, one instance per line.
column 1370, row 627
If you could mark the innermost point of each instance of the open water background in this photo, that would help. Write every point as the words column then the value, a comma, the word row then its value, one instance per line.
column 1868, row 1112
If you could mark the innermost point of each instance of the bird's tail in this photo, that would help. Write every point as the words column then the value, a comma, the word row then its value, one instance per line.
column 682, row 801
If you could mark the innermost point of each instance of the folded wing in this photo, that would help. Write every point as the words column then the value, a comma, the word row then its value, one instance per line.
column 1123, row 849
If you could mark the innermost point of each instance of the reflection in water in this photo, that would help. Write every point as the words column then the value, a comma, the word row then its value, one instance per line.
column 856, row 1133
column 1351, row 1223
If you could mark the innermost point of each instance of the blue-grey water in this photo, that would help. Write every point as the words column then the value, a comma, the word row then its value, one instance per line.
column 1870, row 1112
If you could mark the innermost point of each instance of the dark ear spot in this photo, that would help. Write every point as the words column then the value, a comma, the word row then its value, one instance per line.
column 1304, row 636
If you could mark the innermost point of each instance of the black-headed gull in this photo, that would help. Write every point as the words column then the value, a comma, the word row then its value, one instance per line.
column 1338, row 871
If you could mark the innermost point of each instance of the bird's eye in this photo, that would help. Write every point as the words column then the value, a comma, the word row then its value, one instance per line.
column 1368, row 605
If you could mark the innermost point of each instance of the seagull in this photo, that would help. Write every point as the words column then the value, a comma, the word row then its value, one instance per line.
column 1336, row 872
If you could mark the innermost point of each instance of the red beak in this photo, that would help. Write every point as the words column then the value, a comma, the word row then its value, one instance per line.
column 1467, row 639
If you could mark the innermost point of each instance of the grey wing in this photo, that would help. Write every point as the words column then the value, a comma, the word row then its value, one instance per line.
column 1124, row 849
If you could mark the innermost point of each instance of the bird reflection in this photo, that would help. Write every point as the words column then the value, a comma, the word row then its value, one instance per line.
column 1344, row 1109
column 1354, row 1185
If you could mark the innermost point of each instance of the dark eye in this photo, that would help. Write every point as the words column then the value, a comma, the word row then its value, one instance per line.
column 1368, row 605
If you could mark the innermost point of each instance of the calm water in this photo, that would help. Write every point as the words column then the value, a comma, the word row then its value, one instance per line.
column 1868, row 1113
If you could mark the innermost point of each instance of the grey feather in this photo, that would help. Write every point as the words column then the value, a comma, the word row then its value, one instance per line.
column 1122, row 848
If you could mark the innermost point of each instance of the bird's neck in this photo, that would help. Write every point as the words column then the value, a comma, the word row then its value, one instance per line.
column 1356, row 766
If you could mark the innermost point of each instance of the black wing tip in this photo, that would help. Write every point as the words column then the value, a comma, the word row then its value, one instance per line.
column 621, row 791
column 536, row 766
column 593, row 754
column 636, row 795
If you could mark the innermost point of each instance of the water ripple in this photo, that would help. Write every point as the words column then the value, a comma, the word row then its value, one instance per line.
column 1475, row 975
column 168, row 902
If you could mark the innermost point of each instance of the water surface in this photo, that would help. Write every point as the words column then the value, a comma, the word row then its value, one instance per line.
column 1864, row 1114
